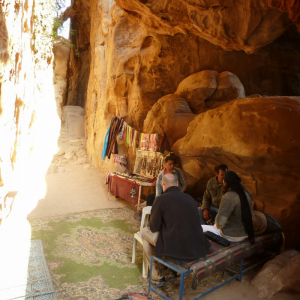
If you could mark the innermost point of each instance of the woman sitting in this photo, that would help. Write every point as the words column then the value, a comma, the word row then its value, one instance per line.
column 234, row 218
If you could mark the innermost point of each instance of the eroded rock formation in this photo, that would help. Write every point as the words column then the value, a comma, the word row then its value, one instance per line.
column 244, row 25
column 258, row 138
column 172, row 115
column 133, row 67
column 80, row 56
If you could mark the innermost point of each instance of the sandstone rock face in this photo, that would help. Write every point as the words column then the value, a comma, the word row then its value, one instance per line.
column 170, row 114
column 290, row 7
column 61, row 57
column 280, row 274
column 244, row 25
column 131, row 68
column 257, row 138
column 208, row 89
column 29, row 121
column 229, row 87
column 80, row 56
column 73, row 120
column 197, row 88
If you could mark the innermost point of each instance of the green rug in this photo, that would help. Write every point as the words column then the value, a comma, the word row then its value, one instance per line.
column 89, row 253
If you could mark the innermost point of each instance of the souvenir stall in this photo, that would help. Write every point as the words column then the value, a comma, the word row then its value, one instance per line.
column 149, row 162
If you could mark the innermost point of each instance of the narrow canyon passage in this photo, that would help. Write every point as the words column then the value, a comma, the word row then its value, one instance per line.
column 126, row 86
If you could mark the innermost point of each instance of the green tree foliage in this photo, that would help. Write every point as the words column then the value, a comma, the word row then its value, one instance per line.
column 47, row 21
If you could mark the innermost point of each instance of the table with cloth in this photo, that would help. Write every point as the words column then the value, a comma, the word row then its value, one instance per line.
column 121, row 187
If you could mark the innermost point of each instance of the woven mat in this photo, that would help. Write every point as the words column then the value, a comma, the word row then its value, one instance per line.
column 38, row 283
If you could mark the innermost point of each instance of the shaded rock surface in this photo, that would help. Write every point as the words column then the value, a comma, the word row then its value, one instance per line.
column 290, row 7
column 73, row 120
column 257, row 138
column 280, row 274
column 197, row 88
column 171, row 114
column 61, row 53
column 244, row 25
column 229, row 87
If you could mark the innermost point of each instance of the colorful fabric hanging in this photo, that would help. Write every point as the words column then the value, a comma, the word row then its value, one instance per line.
column 103, row 155
column 112, row 145
column 127, row 135
column 122, row 130
column 153, row 142
column 137, row 140
column 130, row 136
column 134, row 141
column 164, row 144
column 122, row 160
column 145, row 142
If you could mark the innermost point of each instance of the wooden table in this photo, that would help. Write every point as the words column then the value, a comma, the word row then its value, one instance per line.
column 121, row 186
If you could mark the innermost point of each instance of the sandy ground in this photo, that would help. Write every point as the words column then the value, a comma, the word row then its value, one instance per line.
column 77, row 189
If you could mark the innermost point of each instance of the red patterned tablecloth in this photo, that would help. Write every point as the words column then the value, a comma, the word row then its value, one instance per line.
column 121, row 187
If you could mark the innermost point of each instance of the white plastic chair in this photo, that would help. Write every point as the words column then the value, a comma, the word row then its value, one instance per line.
column 137, row 237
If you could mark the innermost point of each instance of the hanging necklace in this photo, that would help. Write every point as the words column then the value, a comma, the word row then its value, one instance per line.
column 133, row 190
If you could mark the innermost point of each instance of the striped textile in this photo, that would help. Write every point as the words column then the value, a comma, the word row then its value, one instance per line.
column 145, row 142
column 153, row 142
column 220, row 257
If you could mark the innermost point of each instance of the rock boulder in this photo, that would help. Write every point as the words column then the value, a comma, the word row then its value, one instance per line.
column 171, row 114
column 258, row 138
column 229, row 87
column 197, row 88
column 280, row 274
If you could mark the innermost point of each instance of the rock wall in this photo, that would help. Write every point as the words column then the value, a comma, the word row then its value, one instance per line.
column 29, row 120
column 290, row 7
column 79, row 60
column 234, row 25
column 132, row 67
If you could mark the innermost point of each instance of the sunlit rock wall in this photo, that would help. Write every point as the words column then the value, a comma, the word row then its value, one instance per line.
column 132, row 67
column 29, row 119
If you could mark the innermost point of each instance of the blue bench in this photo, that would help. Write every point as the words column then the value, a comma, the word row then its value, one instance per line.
column 218, row 258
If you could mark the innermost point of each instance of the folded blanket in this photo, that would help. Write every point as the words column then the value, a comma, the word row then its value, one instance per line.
column 259, row 222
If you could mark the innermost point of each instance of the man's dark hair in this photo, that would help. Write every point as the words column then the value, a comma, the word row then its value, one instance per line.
column 221, row 167
column 170, row 157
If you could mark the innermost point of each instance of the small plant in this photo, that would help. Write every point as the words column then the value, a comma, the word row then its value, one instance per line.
column 46, row 27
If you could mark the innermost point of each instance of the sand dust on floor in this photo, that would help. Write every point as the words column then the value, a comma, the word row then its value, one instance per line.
column 76, row 189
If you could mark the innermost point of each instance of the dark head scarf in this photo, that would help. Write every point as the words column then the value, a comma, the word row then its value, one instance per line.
column 234, row 182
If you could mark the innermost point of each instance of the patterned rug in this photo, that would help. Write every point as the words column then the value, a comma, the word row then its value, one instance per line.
column 89, row 253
